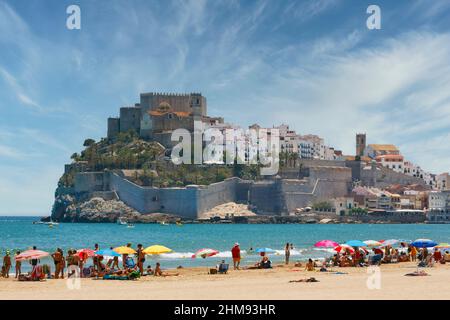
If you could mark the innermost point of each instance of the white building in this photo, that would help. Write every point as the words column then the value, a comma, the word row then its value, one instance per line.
column 391, row 161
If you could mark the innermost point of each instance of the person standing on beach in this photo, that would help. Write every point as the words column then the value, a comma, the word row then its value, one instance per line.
column 62, row 264
column 413, row 253
column 236, row 254
column 6, row 264
column 141, row 258
column 34, row 262
column 57, row 259
column 287, row 253
column 18, row 266
column 95, row 257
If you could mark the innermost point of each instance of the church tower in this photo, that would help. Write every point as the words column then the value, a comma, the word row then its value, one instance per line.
column 360, row 144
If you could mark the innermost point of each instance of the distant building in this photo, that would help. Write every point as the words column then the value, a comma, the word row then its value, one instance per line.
column 439, row 207
column 443, row 181
column 391, row 161
column 374, row 150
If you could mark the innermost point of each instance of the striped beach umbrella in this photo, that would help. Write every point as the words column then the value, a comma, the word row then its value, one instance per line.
column 31, row 254
column 204, row 253
column 372, row 243
column 343, row 248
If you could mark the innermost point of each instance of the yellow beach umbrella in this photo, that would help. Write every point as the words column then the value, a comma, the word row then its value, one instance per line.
column 156, row 249
column 443, row 245
column 124, row 250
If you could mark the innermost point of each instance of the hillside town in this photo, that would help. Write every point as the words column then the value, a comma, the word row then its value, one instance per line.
column 375, row 184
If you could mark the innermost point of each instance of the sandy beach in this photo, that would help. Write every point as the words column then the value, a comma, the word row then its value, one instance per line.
column 195, row 283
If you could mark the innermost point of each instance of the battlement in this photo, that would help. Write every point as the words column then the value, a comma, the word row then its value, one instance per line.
column 171, row 94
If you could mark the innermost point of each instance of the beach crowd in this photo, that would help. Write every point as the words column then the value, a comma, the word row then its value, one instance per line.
column 107, row 265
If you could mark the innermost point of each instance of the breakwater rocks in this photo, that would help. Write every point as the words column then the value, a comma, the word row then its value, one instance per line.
column 97, row 209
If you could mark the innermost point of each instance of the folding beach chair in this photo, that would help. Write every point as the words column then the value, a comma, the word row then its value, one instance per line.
column 223, row 268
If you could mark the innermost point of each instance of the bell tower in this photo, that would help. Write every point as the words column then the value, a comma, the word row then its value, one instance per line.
column 360, row 144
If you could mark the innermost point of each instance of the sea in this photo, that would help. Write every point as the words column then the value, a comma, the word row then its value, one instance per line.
column 19, row 233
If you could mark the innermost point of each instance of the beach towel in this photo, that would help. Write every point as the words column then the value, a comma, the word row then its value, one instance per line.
column 114, row 277
column 312, row 279
column 417, row 274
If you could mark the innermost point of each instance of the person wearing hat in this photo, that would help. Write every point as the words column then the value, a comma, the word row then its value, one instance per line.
column 6, row 264
column 236, row 254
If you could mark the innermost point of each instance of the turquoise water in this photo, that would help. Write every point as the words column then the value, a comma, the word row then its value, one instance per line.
column 20, row 233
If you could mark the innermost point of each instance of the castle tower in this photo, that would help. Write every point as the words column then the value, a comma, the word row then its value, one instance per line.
column 360, row 144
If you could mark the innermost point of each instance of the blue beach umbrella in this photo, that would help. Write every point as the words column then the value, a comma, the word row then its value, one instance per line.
column 356, row 243
column 265, row 250
column 424, row 243
column 107, row 252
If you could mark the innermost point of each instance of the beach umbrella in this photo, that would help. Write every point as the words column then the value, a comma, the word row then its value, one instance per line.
column 265, row 250
column 107, row 252
column 372, row 243
column 443, row 245
column 204, row 253
column 85, row 253
column 124, row 250
column 355, row 243
column 326, row 244
column 344, row 247
column 389, row 242
column 424, row 243
column 31, row 254
column 156, row 249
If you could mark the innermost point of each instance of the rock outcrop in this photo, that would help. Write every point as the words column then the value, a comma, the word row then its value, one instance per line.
column 96, row 209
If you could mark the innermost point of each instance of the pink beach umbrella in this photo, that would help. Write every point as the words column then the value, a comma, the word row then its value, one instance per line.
column 326, row 244
column 31, row 254
column 204, row 253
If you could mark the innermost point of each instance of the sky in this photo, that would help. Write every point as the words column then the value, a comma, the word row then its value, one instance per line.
column 313, row 65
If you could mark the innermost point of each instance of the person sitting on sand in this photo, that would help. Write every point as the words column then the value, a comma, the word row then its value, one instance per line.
column 148, row 271
column 158, row 272
column 309, row 265
column 447, row 256
column 437, row 255
column 265, row 263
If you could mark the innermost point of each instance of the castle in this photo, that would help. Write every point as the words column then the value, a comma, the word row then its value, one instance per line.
column 309, row 180
column 158, row 114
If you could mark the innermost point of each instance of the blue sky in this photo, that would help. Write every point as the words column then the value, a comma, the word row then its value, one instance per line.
column 311, row 64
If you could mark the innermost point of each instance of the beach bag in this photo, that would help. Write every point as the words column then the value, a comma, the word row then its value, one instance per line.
column 130, row 263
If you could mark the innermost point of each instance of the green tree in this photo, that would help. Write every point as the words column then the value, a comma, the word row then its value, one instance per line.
column 88, row 142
